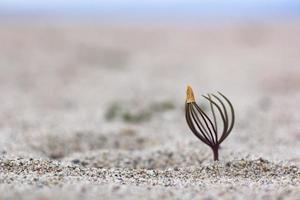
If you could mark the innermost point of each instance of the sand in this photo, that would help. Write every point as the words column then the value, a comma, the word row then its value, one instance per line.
column 96, row 111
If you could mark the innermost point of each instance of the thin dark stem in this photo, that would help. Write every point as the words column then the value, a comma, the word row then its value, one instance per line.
column 198, row 124
column 216, row 153
column 193, row 129
column 225, row 124
column 206, row 120
column 215, row 120
column 201, row 127
column 232, row 118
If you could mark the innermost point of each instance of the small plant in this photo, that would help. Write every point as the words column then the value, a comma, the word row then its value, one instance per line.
column 162, row 106
column 136, row 117
column 127, row 113
column 112, row 111
column 206, row 127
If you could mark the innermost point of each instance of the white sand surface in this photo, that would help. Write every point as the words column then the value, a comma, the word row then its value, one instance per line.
column 96, row 111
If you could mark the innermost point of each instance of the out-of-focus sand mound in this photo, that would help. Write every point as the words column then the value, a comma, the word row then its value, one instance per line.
column 97, row 110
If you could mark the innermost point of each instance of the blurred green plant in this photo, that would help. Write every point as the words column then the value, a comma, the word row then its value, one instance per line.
column 126, row 113
column 137, row 117
column 113, row 111
column 163, row 106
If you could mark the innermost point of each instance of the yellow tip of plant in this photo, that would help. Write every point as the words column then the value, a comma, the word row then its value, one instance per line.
column 189, row 94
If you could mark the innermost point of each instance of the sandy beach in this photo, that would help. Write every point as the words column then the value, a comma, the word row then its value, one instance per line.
column 96, row 111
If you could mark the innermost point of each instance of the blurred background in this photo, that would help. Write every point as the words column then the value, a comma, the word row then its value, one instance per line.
column 70, row 69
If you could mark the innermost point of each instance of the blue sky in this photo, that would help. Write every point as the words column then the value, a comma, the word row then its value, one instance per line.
column 142, row 8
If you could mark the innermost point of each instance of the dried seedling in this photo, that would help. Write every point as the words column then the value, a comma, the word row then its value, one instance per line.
column 206, row 126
